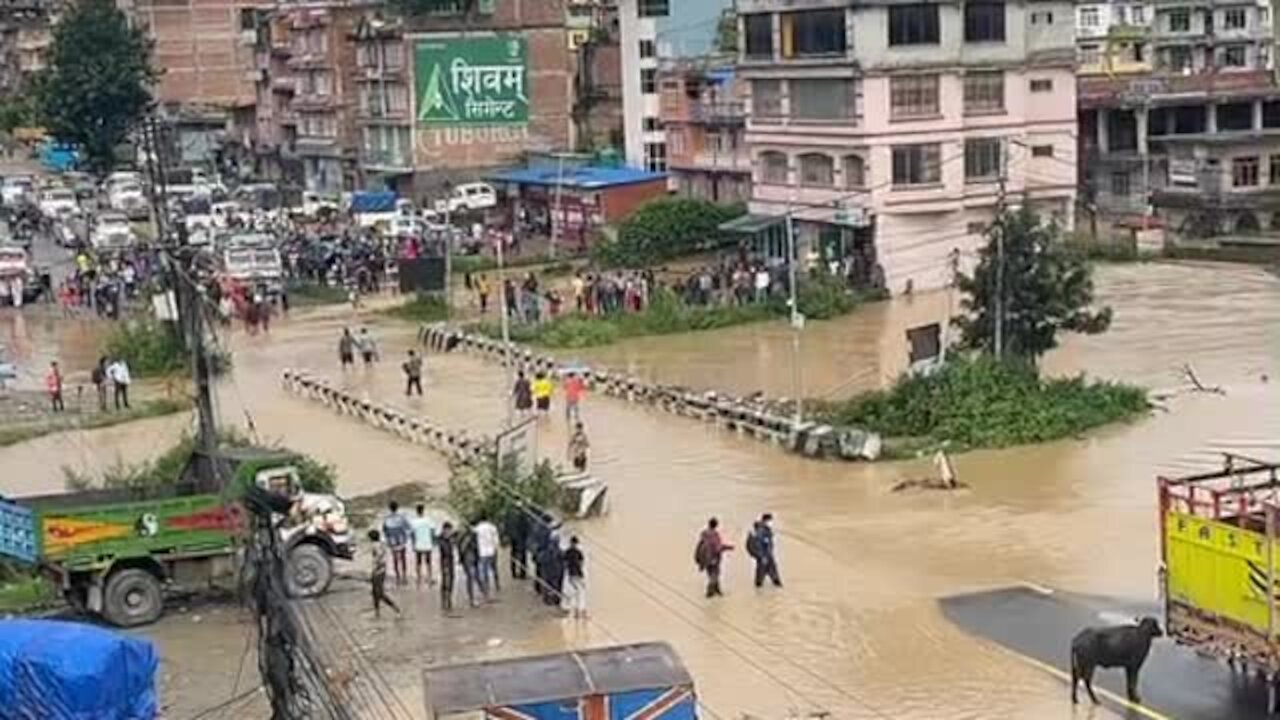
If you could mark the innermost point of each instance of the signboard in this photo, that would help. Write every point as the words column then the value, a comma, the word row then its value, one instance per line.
column 472, row 81
column 515, row 447
column 424, row 274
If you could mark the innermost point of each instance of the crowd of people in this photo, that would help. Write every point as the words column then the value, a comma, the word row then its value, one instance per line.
column 104, row 282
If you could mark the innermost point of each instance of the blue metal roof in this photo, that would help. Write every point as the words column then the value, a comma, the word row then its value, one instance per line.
column 583, row 178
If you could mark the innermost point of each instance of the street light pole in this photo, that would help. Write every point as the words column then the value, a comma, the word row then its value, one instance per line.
column 797, row 323
column 506, row 329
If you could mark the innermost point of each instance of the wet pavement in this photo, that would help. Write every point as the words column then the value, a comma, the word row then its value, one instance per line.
column 858, row 630
column 1038, row 625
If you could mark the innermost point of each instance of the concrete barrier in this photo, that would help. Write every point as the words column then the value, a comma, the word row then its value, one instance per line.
column 748, row 417
column 454, row 444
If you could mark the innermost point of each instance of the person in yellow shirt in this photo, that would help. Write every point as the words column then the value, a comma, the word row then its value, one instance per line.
column 542, row 393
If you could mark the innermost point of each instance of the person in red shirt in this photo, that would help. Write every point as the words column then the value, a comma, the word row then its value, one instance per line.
column 53, row 383
column 574, row 388
column 711, row 549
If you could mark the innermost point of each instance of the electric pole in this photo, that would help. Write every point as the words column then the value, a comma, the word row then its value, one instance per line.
column 999, row 228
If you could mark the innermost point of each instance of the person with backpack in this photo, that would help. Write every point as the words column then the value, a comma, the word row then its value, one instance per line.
column 760, row 546
column 708, row 554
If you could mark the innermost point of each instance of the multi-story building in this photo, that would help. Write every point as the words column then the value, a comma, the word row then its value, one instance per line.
column 704, row 117
column 891, row 132
column 649, row 30
column 26, row 33
column 1180, row 114
column 308, row 90
column 384, row 116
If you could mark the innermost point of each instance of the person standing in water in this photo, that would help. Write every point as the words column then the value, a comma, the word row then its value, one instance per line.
column 708, row 555
column 760, row 546
column 346, row 349
column 522, row 395
column 574, row 388
column 412, row 374
column 578, row 447
column 542, row 392
column 575, row 580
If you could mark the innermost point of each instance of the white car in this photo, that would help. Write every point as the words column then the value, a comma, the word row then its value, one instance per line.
column 59, row 203
column 16, row 190
column 405, row 226
column 113, row 232
column 469, row 196
column 129, row 199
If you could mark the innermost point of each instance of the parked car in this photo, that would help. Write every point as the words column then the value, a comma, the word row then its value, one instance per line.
column 469, row 196
column 16, row 271
column 16, row 190
column 112, row 231
column 129, row 199
column 58, row 204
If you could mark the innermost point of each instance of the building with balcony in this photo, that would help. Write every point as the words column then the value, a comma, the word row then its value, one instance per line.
column 649, row 30
column 384, row 115
column 26, row 34
column 890, row 132
column 1179, row 114
column 703, row 116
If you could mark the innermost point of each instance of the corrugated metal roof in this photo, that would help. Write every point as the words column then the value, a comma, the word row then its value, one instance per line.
column 585, row 178
column 544, row 678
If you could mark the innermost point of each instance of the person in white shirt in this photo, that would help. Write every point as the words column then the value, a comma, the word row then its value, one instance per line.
column 120, row 377
column 424, row 542
column 487, row 541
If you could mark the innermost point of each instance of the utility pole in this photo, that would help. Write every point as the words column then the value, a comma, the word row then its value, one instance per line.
column 999, row 230
column 796, row 319
column 951, row 292
column 506, row 330
column 556, row 217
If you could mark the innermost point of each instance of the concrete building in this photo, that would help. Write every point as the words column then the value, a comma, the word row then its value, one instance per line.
column 384, row 115
column 1180, row 114
column 26, row 33
column 891, row 131
column 649, row 30
column 308, row 94
column 703, row 115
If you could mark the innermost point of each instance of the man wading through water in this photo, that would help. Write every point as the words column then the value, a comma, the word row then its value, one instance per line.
column 448, row 566
column 761, row 549
column 412, row 374
column 708, row 554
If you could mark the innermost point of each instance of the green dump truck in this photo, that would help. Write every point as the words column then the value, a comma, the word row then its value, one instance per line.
column 115, row 553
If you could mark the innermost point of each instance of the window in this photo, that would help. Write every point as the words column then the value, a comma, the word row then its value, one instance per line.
column 1045, row 151
column 1178, row 58
column 982, row 159
column 1090, row 55
column 984, row 22
column 1180, row 20
column 817, row 170
column 675, row 142
column 1041, row 18
column 652, row 124
column 1264, row 16
column 766, row 99
column 773, row 168
column 1089, row 17
column 398, row 98
column 759, row 31
column 1042, row 85
column 913, row 96
column 1244, row 172
column 323, row 83
column 1233, row 56
column 654, row 8
column 248, row 19
column 813, row 32
column 1264, row 57
column 393, row 55
column 1273, row 165
column 1120, row 184
column 648, row 80
column 984, row 92
column 1138, row 15
column 1234, row 19
column 647, row 49
column 1137, row 52
column 655, row 157
column 917, row 164
column 1121, row 15
column 831, row 99
column 855, row 171
column 913, row 24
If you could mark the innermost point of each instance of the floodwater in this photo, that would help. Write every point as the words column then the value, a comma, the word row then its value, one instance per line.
column 857, row 631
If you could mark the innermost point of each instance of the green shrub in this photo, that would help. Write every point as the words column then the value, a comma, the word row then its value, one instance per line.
column 149, row 346
column 664, row 229
column 980, row 402
column 477, row 492
column 422, row 308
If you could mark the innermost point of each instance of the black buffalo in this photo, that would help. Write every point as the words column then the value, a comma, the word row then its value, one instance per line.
column 1123, row 646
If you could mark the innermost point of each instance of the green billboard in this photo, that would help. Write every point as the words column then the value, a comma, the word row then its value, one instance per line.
column 472, row 80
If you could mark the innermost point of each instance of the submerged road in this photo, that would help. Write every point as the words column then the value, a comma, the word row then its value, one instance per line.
column 1176, row 683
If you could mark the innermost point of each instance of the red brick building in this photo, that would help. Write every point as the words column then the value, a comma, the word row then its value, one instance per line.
column 704, row 117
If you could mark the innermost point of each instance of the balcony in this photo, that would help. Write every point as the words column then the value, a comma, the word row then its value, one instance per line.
column 375, row 73
column 308, row 61
column 710, row 161
column 385, row 160
column 312, row 101
column 719, row 113
column 287, row 84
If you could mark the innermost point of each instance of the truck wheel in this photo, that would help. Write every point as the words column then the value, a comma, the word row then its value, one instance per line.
column 309, row 571
column 133, row 597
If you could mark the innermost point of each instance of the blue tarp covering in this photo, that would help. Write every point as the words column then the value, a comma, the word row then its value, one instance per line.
column 583, row 178
column 51, row 670
column 369, row 201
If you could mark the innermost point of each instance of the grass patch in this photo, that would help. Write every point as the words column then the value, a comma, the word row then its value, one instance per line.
column 422, row 308
column 26, row 594
column 140, row 411
column 153, row 348
column 979, row 402
column 313, row 294
column 667, row 314
column 484, row 263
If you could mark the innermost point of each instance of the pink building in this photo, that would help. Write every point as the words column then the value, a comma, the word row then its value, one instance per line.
column 890, row 131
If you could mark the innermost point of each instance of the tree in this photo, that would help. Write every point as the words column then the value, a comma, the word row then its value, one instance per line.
column 1047, row 289
column 727, row 32
column 665, row 229
column 99, row 79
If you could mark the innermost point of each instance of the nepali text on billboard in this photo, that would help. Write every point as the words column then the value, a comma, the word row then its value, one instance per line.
column 472, row 81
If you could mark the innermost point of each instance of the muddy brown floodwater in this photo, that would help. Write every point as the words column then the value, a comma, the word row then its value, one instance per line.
column 857, row 630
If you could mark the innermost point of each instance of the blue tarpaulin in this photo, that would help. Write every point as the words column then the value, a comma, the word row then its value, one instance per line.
column 52, row 670
column 371, row 201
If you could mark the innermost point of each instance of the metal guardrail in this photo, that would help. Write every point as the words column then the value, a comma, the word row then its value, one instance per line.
column 748, row 417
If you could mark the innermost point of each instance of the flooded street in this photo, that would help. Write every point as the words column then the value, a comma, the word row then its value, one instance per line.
column 857, row 630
